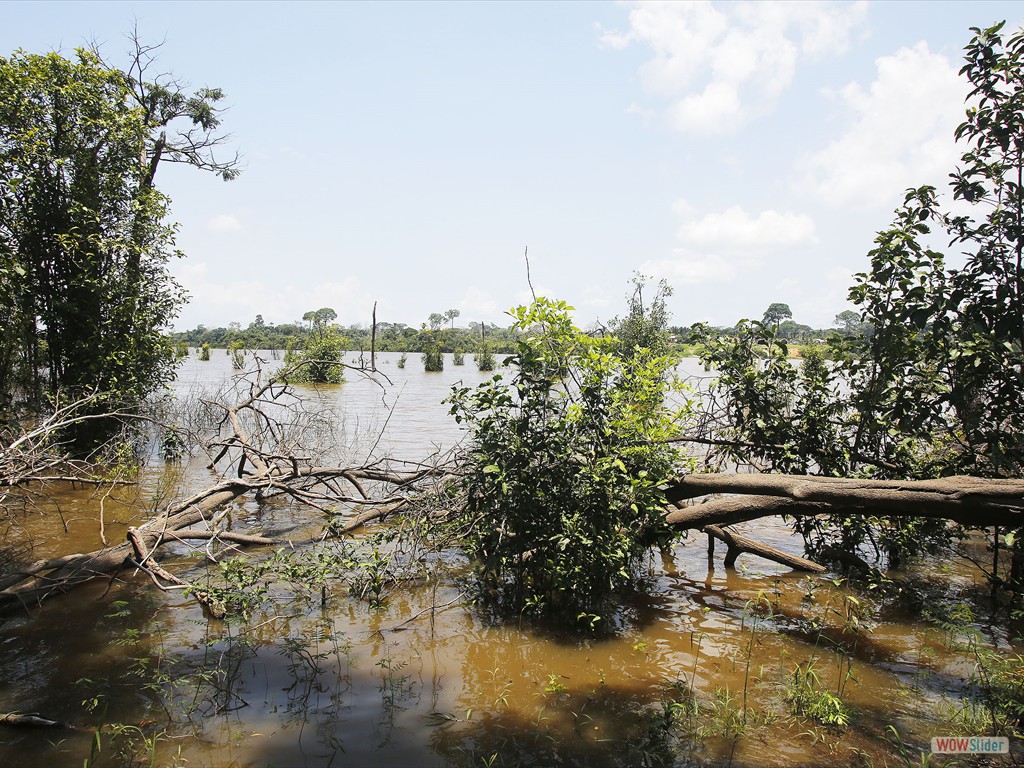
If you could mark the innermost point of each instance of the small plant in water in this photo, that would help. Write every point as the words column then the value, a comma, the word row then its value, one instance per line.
column 236, row 350
column 555, row 686
column 809, row 699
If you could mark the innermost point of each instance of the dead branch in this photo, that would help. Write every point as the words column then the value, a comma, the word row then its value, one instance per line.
column 35, row 721
column 260, row 453
column 737, row 544
column 155, row 570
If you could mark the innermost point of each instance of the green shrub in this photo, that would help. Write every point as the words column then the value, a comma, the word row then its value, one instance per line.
column 808, row 698
column 204, row 353
column 484, row 358
column 433, row 357
column 236, row 350
column 321, row 358
column 563, row 468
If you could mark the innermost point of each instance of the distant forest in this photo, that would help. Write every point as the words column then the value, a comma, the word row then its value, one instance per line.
column 399, row 337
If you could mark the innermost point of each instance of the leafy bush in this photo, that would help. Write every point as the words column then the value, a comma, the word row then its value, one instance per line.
column 806, row 697
column 564, row 466
column 484, row 358
column 236, row 351
column 433, row 355
column 322, row 357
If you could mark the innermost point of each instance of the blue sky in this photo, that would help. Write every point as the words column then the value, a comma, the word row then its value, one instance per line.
column 407, row 153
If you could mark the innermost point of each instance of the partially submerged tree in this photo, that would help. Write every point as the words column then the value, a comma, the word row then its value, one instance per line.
column 322, row 351
column 645, row 325
column 561, row 487
column 85, row 294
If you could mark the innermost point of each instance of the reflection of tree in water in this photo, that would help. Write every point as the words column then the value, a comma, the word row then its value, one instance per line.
column 601, row 726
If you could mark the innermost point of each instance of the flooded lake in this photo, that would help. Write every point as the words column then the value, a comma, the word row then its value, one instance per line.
column 704, row 667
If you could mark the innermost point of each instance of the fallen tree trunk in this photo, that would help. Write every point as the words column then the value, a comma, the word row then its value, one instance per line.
column 973, row 502
column 44, row 579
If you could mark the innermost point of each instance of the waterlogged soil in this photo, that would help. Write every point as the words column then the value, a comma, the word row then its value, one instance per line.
column 696, row 667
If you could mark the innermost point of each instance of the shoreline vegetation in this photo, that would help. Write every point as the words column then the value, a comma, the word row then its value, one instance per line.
column 682, row 341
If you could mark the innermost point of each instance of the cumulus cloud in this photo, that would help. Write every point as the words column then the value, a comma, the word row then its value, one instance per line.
column 817, row 302
column 687, row 268
column 594, row 297
column 722, row 64
column 899, row 131
column 734, row 229
column 477, row 303
column 224, row 223
column 717, row 245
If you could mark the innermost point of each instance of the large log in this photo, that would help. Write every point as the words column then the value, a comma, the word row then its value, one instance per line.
column 975, row 502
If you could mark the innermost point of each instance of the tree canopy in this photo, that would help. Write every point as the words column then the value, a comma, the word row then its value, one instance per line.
column 937, row 386
column 85, row 294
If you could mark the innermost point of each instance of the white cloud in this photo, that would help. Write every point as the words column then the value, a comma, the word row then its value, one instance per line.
column 225, row 223
column 899, row 132
column 817, row 301
column 242, row 300
column 686, row 268
column 721, row 65
column 594, row 297
column 716, row 246
column 734, row 229
column 477, row 303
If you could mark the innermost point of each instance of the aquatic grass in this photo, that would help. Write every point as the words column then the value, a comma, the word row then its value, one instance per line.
column 807, row 698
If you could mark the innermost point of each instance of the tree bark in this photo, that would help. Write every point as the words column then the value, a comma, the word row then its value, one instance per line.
column 971, row 501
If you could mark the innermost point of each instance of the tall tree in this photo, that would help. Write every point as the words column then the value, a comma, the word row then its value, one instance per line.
column 84, row 241
column 937, row 385
column 776, row 313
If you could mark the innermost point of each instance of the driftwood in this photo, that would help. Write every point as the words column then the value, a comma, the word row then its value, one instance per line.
column 35, row 721
column 156, row 571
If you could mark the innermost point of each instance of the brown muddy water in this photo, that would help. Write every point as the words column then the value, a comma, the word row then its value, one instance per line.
column 699, row 670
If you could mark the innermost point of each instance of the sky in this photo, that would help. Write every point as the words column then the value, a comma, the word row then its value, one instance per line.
column 410, row 153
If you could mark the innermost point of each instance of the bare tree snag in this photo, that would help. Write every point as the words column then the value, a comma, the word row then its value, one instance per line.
column 143, row 561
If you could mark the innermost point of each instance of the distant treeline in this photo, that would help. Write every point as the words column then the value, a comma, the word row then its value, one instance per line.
column 399, row 337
